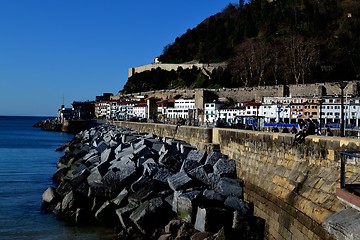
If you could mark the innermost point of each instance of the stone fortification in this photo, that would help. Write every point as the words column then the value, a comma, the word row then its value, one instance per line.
column 168, row 67
column 255, row 93
column 293, row 187
column 150, row 188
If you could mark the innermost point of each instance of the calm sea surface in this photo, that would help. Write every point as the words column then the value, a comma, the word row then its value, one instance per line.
column 27, row 162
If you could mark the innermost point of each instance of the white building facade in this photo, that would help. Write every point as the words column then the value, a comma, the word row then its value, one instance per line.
column 181, row 109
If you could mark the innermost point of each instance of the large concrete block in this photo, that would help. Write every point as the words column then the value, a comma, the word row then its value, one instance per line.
column 228, row 186
column 225, row 167
column 179, row 180
column 212, row 219
column 186, row 205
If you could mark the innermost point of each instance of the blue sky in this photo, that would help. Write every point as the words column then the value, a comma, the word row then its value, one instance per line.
column 58, row 51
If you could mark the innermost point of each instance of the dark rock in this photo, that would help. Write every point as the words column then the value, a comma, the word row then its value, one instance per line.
column 84, row 216
column 60, row 173
column 237, row 204
column 106, row 214
column 189, row 165
column 213, row 157
column 212, row 195
column 147, row 216
column 173, row 227
column 106, row 155
column 171, row 161
column 68, row 202
column 212, row 219
column 225, row 167
column 49, row 196
column 161, row 176
column 197, row 155
column 248, row 227
column 124, row 213
column 94, row 177
column 142, row 194
column 199, row 173
column 63, row 188
column 179, row 180
column 101, row 147
column 185, row 205
column 79, row 178
column 185, row 231
column 119, row 199
column 166, row 236
column 228, row 186
column 200, row 236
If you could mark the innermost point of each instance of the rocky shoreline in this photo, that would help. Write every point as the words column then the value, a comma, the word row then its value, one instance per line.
column 147, row 187
column 68, row 126
column 49, row 125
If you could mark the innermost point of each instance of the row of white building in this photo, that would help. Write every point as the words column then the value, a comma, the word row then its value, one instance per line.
column 326, row 109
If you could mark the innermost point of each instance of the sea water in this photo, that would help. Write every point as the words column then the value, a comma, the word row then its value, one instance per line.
column 27, row 163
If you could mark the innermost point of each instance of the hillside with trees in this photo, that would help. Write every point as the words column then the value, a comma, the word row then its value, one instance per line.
column 265, row 42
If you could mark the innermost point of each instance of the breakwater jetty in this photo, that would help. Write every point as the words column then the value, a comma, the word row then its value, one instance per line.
column 296, row 189
column 150, row 187
column 68, row 126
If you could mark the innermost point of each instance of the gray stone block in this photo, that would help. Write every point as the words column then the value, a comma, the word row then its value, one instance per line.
column 84, row 216
column 185, row 206
column 142, row 217
column 212, row 195
column 199, row 173
column 225, row 167
column 140, row 183
column 142, row 194
column 197, row 155
column 124, row 213
column 150, row 167
column 68, row 202
column 344, row 224
column 94, row 177
column 158, row 147
column 171, row 161
column 106, row 155
column 161, row 176
column 106, row 214
column 237, row 204
column 49, row 195
column 213, row 157
column 189, row 165
column 179, row 180
column 142, row 151
column 228, row 186
column 212, row 219
column 119, row 199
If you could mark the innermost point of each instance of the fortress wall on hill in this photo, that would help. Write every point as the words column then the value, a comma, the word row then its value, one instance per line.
column 256, row 93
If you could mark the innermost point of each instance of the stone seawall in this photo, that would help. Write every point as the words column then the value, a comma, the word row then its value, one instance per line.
column 201, row 138
column 292, row 187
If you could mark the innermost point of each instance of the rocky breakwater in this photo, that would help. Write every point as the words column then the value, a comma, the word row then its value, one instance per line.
column 148, row 187
column 49, row 125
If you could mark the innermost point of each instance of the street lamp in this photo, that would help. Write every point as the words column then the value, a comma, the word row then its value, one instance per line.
column 342, row 85
column 320, row 114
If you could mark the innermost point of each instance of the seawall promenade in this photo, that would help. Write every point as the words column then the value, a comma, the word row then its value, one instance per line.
column 294, row 188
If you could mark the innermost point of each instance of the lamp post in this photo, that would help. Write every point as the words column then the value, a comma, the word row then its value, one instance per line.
column 279, row 109
column 320, row 114
column 342, row 85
